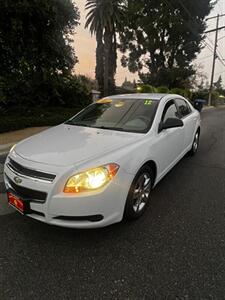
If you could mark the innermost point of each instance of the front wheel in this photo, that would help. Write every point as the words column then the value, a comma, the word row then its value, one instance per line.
column 195, row 144
column 139, row 193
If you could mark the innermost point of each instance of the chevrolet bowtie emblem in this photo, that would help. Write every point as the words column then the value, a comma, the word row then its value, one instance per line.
column 17, row 180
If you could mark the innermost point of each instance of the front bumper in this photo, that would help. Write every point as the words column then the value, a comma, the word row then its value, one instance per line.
column 86, row 210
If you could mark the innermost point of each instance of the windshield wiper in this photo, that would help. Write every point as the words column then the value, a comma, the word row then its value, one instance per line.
column 77, row 124
column 110, row 128
column 100, row 127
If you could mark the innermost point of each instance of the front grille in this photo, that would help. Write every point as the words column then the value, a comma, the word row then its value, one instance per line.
column 29, row 172
column 27, row 194
column 38, row 213
column 93, row 218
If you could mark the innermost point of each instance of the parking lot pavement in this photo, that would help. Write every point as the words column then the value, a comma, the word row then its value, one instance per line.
column 2, row 160
column 176, row 251
column 4, row 208
column 1, row 171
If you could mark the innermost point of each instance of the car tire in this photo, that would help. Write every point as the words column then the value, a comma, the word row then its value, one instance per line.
column 139, row 193
column 195, row 144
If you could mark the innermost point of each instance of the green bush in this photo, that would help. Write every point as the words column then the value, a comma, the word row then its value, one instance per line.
column 19, row 118
column 182, row 92
column 201, row 94
column 163, row 89
column 49, row 90
column 146, row 88
column 178, row 91
column 216, row 99
column 73, row 92
column 122, row 90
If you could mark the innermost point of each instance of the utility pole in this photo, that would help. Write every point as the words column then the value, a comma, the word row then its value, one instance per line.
column 214, row 61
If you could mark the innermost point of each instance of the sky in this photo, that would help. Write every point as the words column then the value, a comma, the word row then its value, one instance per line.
column 85, row 46
column 205, row 58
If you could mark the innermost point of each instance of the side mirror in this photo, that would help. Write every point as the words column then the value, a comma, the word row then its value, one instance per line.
column 171, row 123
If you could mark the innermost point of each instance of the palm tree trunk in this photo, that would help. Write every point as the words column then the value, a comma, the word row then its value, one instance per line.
column 107, row 42
column 99, row 70
column 113, row 64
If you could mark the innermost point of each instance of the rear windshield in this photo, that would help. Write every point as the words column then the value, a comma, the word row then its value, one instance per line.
column 131, row 115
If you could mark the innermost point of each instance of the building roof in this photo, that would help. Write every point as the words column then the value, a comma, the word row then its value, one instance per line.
column 95, row 92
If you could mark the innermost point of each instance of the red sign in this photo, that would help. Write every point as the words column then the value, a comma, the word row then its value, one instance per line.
column 16, row 202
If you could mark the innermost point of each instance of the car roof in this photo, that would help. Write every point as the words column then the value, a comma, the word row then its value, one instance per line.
column 141, row 96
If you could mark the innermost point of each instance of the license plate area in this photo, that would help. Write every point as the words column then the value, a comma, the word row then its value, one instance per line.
column 19, row 204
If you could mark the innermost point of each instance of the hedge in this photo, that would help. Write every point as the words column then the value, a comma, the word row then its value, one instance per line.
column 28, row 117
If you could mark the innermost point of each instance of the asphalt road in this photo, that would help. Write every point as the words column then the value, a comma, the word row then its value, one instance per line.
column 176, row 251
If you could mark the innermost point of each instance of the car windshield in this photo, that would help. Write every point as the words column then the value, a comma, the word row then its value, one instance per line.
column 131, row 115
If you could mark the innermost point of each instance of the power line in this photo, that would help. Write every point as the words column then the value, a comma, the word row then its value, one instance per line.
column 219, row 55
column 216, row 29
column 214, row 17
column 215, row 54
column 214, row 61
column 221, row 61
column 221, row 38
column 208, row 46
column 209, row 40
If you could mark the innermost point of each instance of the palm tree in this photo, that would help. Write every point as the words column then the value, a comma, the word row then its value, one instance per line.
column 104, row 19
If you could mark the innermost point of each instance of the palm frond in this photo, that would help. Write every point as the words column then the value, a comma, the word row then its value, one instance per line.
column 103, row 14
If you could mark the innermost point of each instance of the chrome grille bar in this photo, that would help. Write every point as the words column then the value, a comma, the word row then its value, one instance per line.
column 29, row 173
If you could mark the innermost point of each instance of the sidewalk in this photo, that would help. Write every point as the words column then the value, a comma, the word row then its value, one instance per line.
column 208, row 107
column 8, row 139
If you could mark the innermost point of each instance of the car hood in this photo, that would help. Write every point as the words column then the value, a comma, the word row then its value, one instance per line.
column 66, row 145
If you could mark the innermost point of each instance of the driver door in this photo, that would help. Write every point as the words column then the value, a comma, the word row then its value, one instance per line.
column 170, row 142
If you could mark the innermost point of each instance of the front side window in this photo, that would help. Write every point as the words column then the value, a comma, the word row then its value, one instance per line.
column 131, row 115
column 170, row 111
column 183, row 107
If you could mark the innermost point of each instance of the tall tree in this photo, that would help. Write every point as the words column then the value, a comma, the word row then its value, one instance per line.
column 35, row 45
column 37, row 34
column 163, row 37
column 104, row 20
column 219, row 84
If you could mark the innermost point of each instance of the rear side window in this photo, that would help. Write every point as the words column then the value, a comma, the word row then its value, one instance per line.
column 170, row 111
column 184, row 108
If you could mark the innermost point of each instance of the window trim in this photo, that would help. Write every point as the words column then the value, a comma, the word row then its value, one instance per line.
column 191, row 111
column 165, row 107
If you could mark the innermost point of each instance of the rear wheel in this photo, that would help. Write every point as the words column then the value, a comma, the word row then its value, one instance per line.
column 139, row 194
column 195, row 144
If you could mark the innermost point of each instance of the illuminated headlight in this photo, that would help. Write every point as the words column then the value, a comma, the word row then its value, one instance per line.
column 92, row 179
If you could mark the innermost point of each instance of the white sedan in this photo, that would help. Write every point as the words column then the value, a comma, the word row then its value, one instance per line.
column 101, row 165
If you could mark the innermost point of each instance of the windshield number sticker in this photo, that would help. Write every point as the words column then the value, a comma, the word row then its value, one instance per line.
column 148, row 102
column 104, row 101
column 119, row 104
